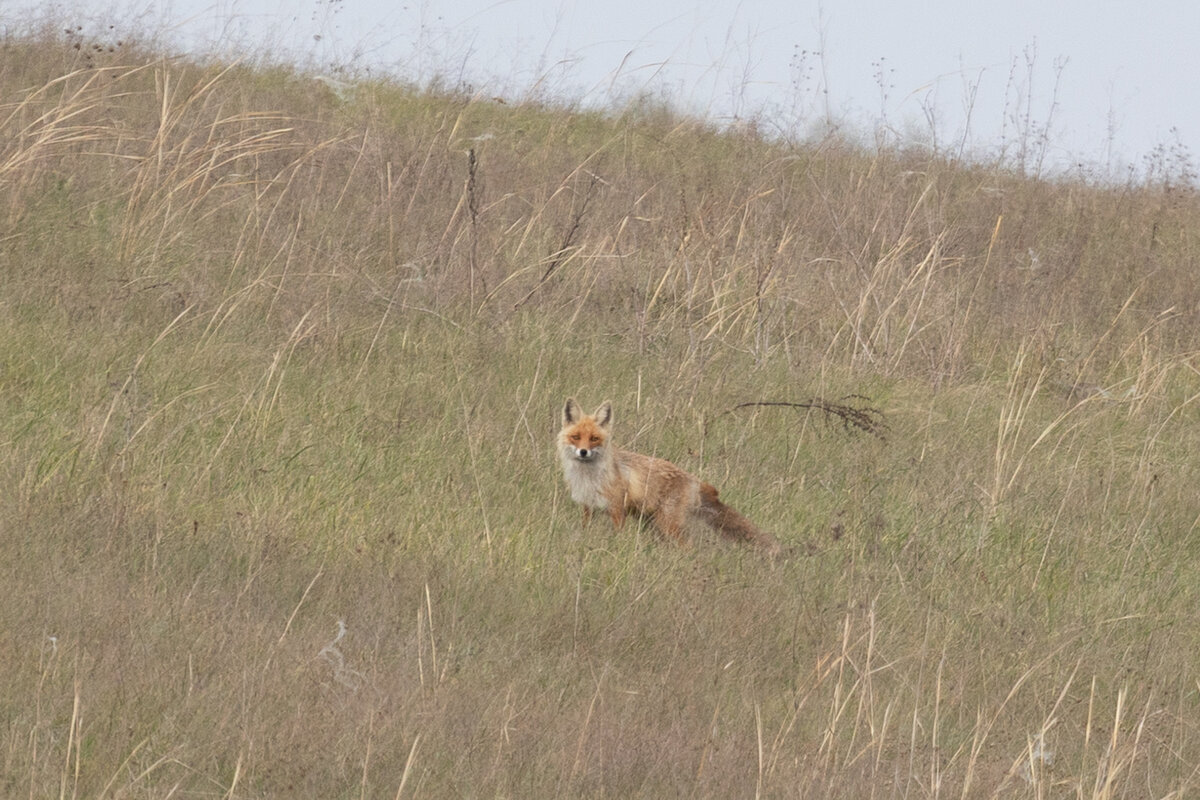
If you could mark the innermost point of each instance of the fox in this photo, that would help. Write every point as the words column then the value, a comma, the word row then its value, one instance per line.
column 602, row 477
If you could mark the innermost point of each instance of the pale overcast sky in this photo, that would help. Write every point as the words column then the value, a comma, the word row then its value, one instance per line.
column 1113, row 80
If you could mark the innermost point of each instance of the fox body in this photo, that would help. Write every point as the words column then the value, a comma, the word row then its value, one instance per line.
column 602, row 477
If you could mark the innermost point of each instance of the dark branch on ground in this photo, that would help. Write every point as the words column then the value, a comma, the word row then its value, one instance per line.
column 852, row 410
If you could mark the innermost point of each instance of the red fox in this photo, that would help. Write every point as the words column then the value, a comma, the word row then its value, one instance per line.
column 604, row 478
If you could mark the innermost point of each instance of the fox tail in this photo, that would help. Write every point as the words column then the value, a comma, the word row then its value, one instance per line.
column 731, row 524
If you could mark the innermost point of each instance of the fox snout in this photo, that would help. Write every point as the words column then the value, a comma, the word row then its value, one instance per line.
column 584, row 454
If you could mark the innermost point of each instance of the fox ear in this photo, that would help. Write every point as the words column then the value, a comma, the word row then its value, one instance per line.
column 571, row 412
column 603, row 414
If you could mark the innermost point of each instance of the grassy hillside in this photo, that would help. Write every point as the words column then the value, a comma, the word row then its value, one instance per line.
column 274, row 361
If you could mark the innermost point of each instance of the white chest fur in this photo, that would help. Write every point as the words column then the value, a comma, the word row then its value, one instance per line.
column 586, row 479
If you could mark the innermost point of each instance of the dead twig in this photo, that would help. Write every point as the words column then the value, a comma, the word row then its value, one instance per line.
column 854, row 413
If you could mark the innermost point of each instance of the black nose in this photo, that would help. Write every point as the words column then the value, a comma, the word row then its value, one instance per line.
column 584, row 452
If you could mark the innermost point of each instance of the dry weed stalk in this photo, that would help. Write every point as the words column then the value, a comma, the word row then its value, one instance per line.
column 566, row 250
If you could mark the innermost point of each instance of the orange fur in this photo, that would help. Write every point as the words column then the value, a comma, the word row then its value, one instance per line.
column 602, row 477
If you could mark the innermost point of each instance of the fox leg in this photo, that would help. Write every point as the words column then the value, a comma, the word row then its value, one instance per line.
column 670, row 520
column 617, row 513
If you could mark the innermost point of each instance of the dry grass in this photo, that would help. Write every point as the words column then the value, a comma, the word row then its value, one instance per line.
column 273, row 362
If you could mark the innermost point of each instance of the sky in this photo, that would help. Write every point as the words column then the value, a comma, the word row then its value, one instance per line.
column 1054, row 85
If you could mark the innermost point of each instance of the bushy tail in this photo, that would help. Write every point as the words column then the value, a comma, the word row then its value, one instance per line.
column 731, row 524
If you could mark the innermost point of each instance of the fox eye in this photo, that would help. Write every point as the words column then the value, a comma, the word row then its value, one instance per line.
column 574, row 437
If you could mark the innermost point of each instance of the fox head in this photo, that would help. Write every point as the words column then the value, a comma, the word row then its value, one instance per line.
column 584, row 436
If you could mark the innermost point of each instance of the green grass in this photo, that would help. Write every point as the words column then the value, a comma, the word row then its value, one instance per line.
column 270, row 362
